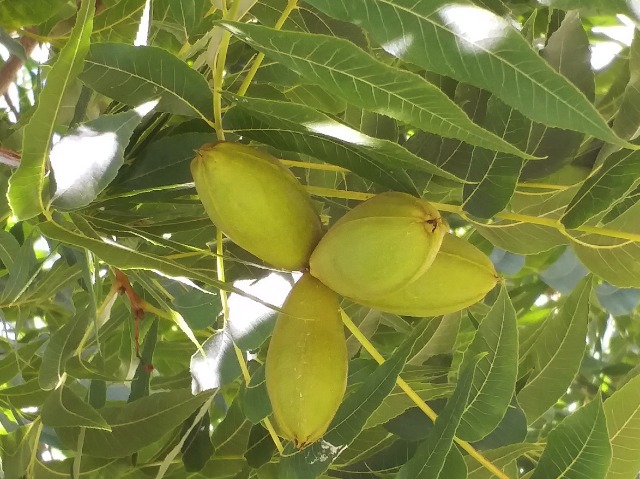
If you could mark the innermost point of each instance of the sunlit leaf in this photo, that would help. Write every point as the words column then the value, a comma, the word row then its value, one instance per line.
column 27, row 185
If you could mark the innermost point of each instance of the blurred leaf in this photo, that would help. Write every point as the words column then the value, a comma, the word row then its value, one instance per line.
column 18, row 448
column 495, row 381
column 27, row 185
column 63, row 408
column 62, row 345
column 18, row 13
column 557, row 353
column 119, row 21
column 622, row 411
column 135, row 75
column 88, row 158
column 136, row 424
column 578, row 447
column 500, row 458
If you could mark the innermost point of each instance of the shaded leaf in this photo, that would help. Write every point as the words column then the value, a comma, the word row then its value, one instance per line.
column 293, row 127
column 557, row 353
column 495, row 380
column 429, row 459
column 136, row 424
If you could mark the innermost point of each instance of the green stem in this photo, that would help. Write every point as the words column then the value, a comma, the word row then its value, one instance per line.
column 430, row 413
column 291, row 6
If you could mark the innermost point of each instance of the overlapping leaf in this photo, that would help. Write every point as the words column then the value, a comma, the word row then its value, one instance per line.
column 437, row 36
column 345, row 70
column 135, row 75
column 557, row 353
column 293, row 127
column 27, row 185
column 495, row 381
column 578, row 447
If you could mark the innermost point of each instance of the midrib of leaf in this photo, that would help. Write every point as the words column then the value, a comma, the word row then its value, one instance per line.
column 582, row 448
column 148, row 80
column 451, row 126
column 119, row 19
column 40, row 160
column 159, row 413
column 488, row 52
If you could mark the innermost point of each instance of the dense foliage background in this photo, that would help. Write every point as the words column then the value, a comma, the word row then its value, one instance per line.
column 118, row 358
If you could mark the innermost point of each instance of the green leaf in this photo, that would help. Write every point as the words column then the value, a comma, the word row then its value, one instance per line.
column 137, row 424
column 429, row 459
column 568, row 52
column 17, row 449
column 398, row 402
column 90, row 468
column 618, row 176
column 578, row 447
column 21, row 272
column 63, row 408
column 88, row 158
column 493, row 176
column 124, row 257
column 15, row 14
column 622, row 411
column 500, row 458
column 437, row 36
column 527, row 238
column 255, row 401
column 61, row 347
column 292, row 127
column 27, row 185
column 557, row 353
column 494, row 383
column 348, row 72
column 135, row 75
column 617, row 261
column 164, row 162
column 118, row 22
column 627, row 120
column 9, row 248
column 352, row 414
column 231, row 436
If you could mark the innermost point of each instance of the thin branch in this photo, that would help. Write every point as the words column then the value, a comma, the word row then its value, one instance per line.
column 11, row 67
